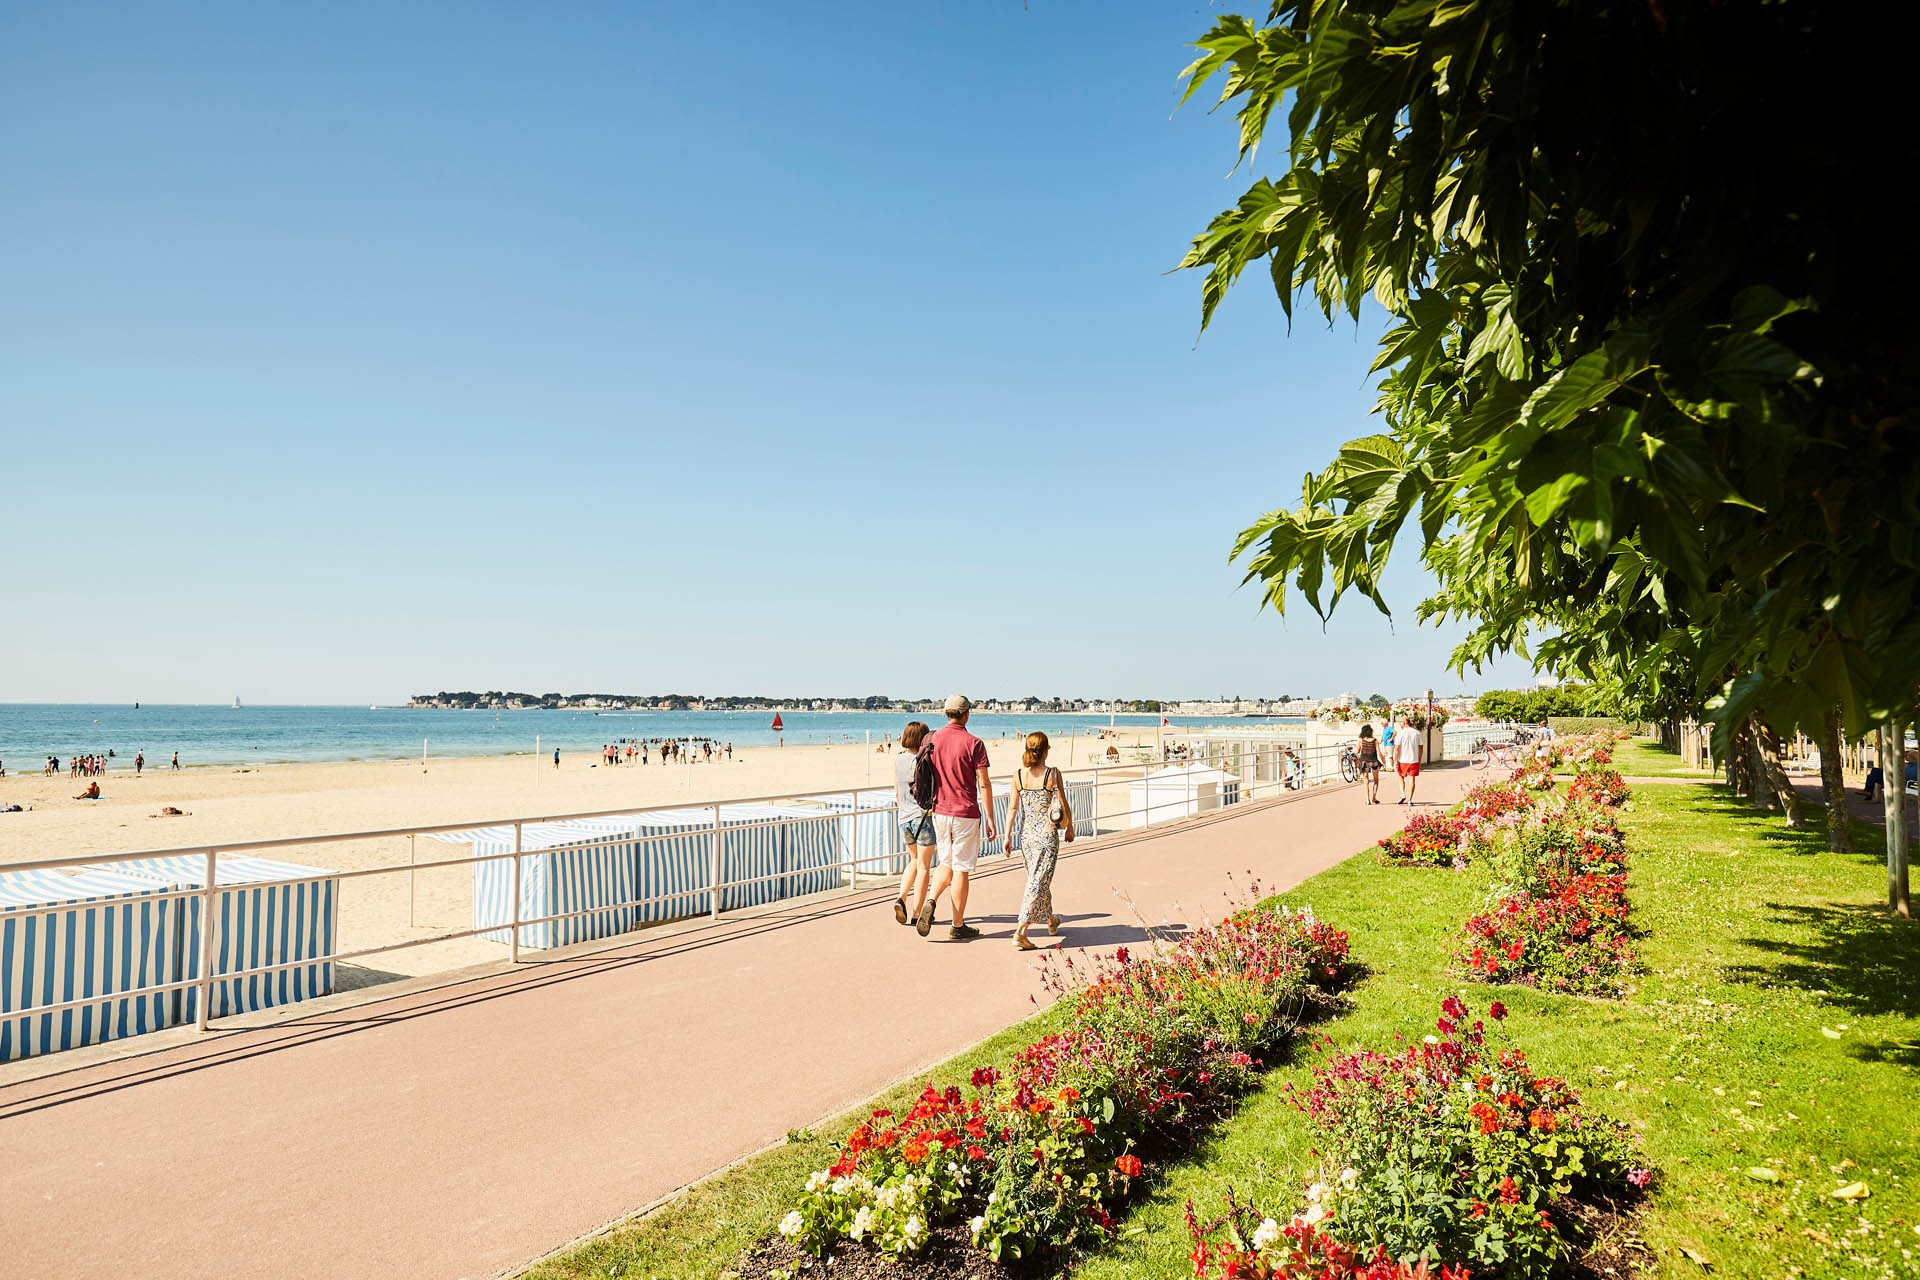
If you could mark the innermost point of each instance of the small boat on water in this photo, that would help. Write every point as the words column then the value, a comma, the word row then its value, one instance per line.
column 236, row 702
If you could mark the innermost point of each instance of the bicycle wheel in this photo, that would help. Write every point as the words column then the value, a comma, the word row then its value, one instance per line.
column 1349, row 768
column 1483, row 759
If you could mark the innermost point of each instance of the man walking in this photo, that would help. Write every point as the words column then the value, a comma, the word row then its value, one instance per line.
column 962, row 806
column 1408, row 747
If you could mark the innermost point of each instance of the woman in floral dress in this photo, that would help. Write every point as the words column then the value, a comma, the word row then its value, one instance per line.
column 1038, row 797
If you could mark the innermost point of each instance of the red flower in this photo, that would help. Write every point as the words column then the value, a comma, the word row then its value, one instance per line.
column 1128, row 1165
column 1496, row 1011
column 1121, row 955
column 976, row 1153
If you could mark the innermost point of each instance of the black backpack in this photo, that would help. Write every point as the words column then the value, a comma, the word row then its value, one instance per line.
column 925, row 783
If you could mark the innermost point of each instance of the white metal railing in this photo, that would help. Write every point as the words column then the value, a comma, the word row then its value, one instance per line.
column 1251, row 771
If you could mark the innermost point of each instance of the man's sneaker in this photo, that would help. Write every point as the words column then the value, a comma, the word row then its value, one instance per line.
column 923, row 923
column 899, row 910
column 962, row 933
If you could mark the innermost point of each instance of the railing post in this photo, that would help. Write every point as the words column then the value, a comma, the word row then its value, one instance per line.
column 1095, row 833
column 713, row 878
column 207, row 926
column 513, row 953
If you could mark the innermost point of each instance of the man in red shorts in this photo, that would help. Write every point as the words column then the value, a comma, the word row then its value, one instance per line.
column 962, row 805
column 1409, row 744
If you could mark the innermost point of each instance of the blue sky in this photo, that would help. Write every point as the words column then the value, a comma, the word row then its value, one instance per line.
column 353, row 351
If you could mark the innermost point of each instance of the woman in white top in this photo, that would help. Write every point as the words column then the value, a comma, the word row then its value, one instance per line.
column 916, row 824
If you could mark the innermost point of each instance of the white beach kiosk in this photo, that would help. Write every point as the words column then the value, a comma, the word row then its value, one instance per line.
column 111, row 933
column 1179, row 791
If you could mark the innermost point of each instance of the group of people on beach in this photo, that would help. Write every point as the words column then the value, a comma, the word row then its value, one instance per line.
column 94, row 766
column 944, row 794
column 1399, row 742
column 666, row 750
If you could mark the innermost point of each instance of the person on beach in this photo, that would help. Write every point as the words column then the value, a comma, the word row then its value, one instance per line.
column 1038, row 813
column 916, row 824
column 556, row 757
column 91, row 793
column 962, row 809
column 1407, row 750
column 175, row 766
column 139, row 762
column 1368, row 752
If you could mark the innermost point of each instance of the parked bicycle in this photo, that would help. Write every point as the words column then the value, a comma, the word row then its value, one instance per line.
column 1349, row 764
column 1487, row 754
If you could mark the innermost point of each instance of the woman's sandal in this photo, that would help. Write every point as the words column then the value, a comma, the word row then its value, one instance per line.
column 1053, row 925
column 900, row 911
column 1022, row 944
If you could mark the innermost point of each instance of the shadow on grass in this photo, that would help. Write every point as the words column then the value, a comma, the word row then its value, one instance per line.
column 1866, row 961
column 1771, row 830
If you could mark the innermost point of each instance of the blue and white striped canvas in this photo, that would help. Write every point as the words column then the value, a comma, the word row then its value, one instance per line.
column 115, row 935
column 257, row 924
column 876, row 848
column 1079, row 799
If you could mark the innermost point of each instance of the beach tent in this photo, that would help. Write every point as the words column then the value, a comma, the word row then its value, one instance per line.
column 258, row 923
column 870, row 836
column 1079, row 799
column 1178, row 791
column 113, row 934
column 647, row 867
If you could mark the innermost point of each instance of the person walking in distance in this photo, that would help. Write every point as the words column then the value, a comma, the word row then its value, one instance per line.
column 962, row 810
column 1367, row 751
column 556, row 757
column 1039, row 814
column 175, row 766
column 916, row 820
column 1407, row 750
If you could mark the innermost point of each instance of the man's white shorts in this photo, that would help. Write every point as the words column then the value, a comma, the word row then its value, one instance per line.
column 959, row 841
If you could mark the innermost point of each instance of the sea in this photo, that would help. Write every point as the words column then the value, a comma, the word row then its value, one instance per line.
column 256, row 735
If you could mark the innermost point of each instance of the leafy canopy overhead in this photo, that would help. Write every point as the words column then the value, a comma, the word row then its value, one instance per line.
column 1648, row 387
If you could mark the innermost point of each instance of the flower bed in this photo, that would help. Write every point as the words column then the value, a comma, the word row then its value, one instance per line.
column 1452, row 1154
column 1035, row 1163
column 1572, row 937
column 1428, row 840
column 1600, row 785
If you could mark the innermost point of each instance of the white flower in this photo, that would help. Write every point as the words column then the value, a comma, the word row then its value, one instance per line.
column 1431, row 1039
column 792, row 1225
column 862, row 1223
column 1265, row 1234
column 914, row 1234
column 1348, row 1177
column 818, row 1179
column 1316, row 1193
column 992, row 1196
column 1314, row 1213
column 976, row 1226
column 844, row 1184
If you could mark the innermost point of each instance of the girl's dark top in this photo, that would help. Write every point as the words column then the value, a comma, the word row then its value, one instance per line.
column 1369, row 751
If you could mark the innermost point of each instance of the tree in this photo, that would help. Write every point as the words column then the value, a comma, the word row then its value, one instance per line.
column 1645, row 386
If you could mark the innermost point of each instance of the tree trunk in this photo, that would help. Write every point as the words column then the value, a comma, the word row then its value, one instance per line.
column 1893, row 769
column 1833, row 782
column 1773, row 775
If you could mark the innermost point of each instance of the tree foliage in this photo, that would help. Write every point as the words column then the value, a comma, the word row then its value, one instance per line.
column 1648, row 390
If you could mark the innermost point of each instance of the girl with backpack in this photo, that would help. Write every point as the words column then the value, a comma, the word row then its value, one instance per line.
column 1040, row 817
column 916, row 820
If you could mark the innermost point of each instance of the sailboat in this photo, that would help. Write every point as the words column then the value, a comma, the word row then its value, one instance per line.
column 236, row 702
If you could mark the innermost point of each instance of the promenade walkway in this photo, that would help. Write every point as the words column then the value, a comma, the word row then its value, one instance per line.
column 465, row 1130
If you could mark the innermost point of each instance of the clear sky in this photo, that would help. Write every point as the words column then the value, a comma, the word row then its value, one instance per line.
column 353, row 351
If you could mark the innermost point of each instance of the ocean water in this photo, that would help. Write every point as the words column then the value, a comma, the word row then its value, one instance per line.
column 29, row 732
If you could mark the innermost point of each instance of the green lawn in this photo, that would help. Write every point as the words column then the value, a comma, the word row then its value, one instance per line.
column 1646, row 758
column 1775, row 1030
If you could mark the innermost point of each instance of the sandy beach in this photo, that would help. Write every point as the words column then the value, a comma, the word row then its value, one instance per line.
column 301, row 800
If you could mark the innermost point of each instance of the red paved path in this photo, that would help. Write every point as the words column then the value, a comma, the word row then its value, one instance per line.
column 466, row 1130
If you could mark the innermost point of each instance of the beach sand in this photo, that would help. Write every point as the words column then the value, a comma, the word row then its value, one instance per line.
column 226, row 804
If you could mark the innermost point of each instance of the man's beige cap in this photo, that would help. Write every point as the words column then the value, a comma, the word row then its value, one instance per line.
column 958, row 705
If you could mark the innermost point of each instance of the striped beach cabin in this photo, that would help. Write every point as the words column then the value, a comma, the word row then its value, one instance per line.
column 257, row 923
column 113, row 933
column 609, row 875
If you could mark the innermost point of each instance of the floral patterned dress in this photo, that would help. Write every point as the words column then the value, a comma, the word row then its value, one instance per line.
column 1039, row 845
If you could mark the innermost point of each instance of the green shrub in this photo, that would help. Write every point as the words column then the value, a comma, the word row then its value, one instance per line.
column 1573, row 726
